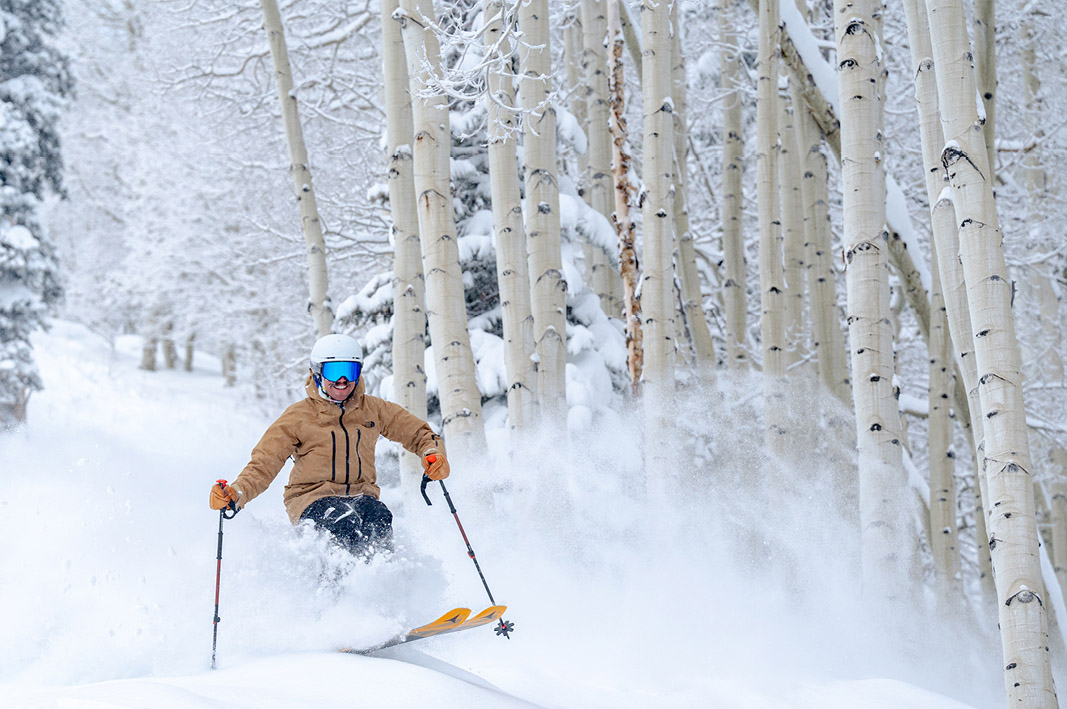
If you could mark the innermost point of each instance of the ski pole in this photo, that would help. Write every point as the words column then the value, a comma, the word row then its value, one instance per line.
column 232, row 510
column 503, row 627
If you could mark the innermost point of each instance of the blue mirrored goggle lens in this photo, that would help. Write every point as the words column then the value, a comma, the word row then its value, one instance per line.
column 334, row 371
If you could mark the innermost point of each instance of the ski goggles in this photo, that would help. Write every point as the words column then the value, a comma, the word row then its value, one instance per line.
column 335, row 371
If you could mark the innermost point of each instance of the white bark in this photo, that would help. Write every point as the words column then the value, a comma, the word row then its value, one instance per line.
column 1035, row 171
column 985, row 65
column 771, row 273
column 657, row 213
column 657, row 207
column 1010, row 514
column 148, row 354
column 409, row 286
column 733, row 248
column 1059, row 516
column 883, row 493
column 1039, row 287
column 600, row 186
column 318, row 300
column 510, row 236
column 942, row 504
column 791, row 183
column 827, row 340
column 944, row 544
column 946, row 261
column 692, row 299
column 578, row 90
column 954, row 294
column 548, row 289
column 461, row 408
column 572, row 62
column 772, row 286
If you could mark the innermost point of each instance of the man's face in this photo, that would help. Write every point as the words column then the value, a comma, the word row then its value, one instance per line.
column 339, row 390
column 339, row 378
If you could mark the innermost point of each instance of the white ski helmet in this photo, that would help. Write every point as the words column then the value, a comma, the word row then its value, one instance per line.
column 334, row 348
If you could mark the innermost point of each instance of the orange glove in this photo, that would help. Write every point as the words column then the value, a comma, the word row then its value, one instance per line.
column 435, row 465
column 221, row 495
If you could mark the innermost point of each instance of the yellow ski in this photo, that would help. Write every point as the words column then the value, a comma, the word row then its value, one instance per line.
column 455, row 620
column 451, row 620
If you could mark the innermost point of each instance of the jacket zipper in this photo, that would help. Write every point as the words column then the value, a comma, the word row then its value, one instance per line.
column 333, row 457
column 359, row 459
column 348, row 446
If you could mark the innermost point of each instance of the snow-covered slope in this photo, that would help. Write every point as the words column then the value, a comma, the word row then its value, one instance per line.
column 108, row 571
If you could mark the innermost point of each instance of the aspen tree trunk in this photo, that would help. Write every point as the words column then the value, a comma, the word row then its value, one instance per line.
column 954, row 293
column 170, row 350
column 692, row 299
column 1010, row 514
column 944, row 544
column 600, row 185
column 771, row 276
column 657, row 212
column 827, row 340
column 548, row 289
column 1059, row 516
column 985, row 66
column 791, row 183
column 572, row 62
column 942, row 504
column 318, row 300
column 572, row 32
column 1035, row 172
column 945, row 259
column 772, row 288
column 624, row 225
column 735, row 271
column 511, row 267
column 1039, row 287
column 657, row 208
column 148, row 354
column 833, row 354
column 633, row 42
column 885, row 534
column 409, row 286
column 461, row 408
column 229, row 365
column 190, row 353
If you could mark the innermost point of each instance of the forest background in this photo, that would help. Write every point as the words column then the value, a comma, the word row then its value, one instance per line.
column 174, row 218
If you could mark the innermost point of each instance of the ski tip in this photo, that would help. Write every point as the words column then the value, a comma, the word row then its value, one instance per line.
column 456, row 616
column 491, row 613
column 452, row 619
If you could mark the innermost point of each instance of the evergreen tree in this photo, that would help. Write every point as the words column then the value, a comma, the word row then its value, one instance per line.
column 34, row 81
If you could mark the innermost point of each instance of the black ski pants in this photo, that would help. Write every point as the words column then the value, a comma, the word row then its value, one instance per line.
column 360, row 524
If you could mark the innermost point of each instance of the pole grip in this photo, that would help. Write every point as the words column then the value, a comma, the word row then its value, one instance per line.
column 232, row 507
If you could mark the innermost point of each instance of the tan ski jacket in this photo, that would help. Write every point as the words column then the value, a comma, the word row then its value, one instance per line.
column 332, row 447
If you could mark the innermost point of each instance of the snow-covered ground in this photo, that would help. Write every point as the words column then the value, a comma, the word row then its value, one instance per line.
column 108, row 552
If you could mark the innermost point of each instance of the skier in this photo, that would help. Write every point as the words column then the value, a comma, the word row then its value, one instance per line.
column 331, row 436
